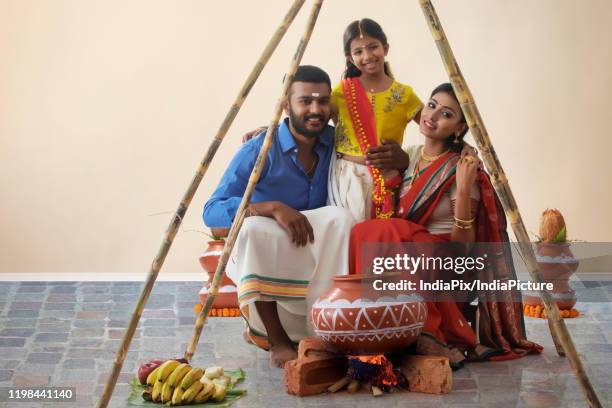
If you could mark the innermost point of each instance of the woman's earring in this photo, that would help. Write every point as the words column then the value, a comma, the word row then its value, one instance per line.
column 456, row 138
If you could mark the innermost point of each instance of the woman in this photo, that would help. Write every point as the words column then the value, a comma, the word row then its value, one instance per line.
column 445, row 199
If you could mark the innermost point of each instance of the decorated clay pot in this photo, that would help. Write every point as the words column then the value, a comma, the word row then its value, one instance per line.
column 360, row 321
column 556, row 264
column 227, row 297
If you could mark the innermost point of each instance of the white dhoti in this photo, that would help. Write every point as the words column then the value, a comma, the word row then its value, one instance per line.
column 267, row 266
column 350, row 186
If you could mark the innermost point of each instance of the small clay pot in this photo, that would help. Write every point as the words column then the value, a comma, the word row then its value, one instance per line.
column 358, row 320
column 227, row 297
column 556, row 264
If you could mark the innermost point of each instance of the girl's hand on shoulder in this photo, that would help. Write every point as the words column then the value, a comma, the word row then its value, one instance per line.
column 251, row 134
column 467, row 171
column 389, row 155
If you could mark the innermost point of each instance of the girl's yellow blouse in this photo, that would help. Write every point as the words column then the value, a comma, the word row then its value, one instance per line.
column 393, row 109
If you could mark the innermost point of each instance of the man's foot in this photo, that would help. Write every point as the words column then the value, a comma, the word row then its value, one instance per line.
column 281, row 353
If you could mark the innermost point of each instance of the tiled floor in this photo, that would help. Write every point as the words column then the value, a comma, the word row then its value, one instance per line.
column 66, row 333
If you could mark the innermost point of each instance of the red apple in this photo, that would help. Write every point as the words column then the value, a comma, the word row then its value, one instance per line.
column 145, row 369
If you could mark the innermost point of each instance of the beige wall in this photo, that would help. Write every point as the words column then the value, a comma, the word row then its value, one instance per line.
column 106, row 108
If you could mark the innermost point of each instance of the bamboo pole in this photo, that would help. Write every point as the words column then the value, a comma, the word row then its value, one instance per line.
column 561, row 337
column 178, row 216
column 259, row 164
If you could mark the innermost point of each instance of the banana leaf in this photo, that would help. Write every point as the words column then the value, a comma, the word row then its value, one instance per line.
column 236, row 376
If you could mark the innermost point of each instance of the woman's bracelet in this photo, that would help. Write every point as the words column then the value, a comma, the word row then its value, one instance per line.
column 463, row 227
column 464, row 224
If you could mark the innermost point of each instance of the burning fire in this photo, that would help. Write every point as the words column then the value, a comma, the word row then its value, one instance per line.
column 376, row 370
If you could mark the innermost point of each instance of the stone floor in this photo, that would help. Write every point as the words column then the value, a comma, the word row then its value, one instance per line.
column 66, row 334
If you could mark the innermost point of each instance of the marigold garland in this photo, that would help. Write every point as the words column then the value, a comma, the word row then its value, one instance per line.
column 382, row 197
column 538, row 311
column 218, row 312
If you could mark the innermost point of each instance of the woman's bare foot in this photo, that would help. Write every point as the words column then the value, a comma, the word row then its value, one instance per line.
column 280, row 354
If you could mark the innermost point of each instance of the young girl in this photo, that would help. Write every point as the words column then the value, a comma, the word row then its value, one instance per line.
column 372, row 107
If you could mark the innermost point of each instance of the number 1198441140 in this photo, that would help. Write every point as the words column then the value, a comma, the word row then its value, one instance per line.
column 58, row 394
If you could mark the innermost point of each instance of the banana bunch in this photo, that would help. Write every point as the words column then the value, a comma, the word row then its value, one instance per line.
column 176, row 383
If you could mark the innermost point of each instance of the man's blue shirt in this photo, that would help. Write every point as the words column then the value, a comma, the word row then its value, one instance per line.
column 282, row 179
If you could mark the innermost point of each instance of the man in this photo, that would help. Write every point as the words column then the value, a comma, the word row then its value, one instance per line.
column 290, row 246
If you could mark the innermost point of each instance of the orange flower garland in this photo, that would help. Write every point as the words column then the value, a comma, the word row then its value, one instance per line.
column 214, row 312
column 538, row 311
column 381, row 196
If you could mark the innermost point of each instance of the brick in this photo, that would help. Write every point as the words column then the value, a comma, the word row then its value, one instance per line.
column 315, row 347
column 51, row 337
column 21, row 323
column 92, row 315
column 79, row 363
column 87, row 324
column 63, row 289
column 31, row 289
column 118, row 333
column 22, row 313
column 6, row 375
column 159, row 323
column 12, row 342
column 117, row 324
column 17, row 332
column 87, row 290
column 97, row 297
column 161, row 313
column 61, row 297
column 62, row 314
column 31, row 380
column 159, row 332
column 313, row 375
column 80, row 333
column 428, row 374
column 26, row 305
column 60, row 327
column 44, row 358
column 87, row 342
column 59, row 306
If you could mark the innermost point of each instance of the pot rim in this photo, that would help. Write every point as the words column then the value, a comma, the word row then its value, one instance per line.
column 553, row 244
column 364, row 277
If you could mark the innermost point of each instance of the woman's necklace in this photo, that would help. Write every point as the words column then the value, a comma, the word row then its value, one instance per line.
column 426, row 158
column 415, row 172
column 429, row 159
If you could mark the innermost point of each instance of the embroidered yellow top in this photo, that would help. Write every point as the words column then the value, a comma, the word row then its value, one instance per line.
column 393, row 108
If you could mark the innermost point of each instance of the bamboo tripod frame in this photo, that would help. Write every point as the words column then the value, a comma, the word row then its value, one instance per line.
column 561, row 336
column 558, row 330
column 178, row 216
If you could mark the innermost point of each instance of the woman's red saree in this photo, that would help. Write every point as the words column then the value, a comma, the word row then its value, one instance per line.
column 448, row 332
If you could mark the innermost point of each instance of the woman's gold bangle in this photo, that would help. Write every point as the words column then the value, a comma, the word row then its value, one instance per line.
column 464, row 224
column 463, row 227
column 465, row 221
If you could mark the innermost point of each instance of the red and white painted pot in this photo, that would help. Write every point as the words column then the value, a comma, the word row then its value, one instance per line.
column 360, row 321
column 227, row 297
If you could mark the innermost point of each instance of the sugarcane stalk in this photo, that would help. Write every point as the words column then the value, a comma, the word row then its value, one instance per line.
column 188, row 196
column 561, row 337
column 255, row 174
